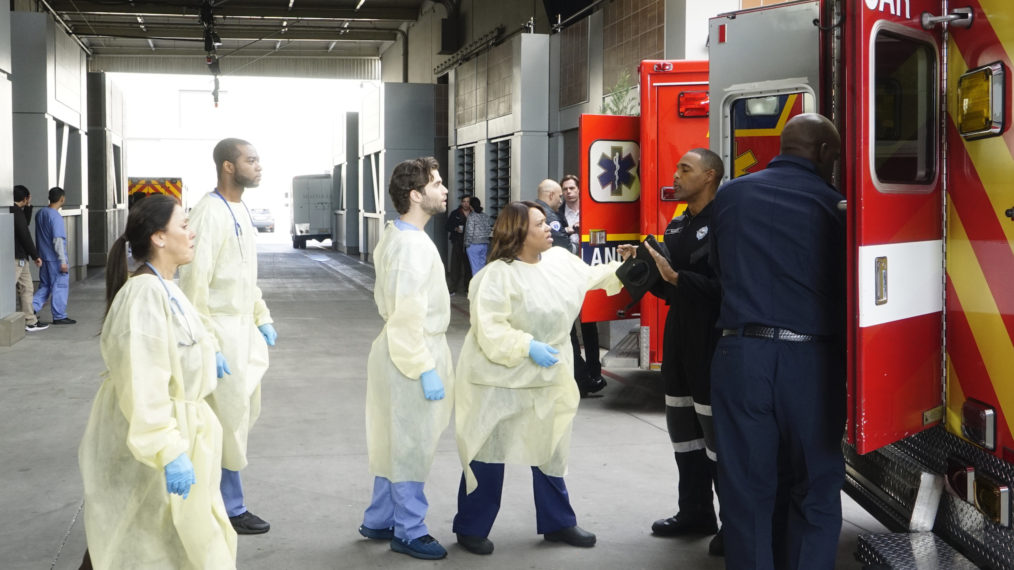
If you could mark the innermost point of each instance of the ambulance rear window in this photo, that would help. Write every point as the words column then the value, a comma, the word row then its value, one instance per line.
column 904, row 110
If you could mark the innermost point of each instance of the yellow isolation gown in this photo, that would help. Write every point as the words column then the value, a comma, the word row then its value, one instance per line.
column 507, row 408
column 402, row 426
column 221, row 282
column 149, row 409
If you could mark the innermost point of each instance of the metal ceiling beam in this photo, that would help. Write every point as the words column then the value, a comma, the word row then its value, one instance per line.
column 159, row 31
column 170, row 8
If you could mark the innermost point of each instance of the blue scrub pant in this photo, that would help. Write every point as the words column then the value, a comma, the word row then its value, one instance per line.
column 401, row 506
column 476, row 253
column 232, row 493
column 478, row 510
column 779, row 412
column 52, row 282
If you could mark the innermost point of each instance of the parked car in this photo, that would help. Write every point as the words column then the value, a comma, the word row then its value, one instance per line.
column 263, row 219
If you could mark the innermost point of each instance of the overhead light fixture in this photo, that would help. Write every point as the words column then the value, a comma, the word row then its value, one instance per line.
column 360, row 4
column 330, row 46
column 140, row 22
column 291, row 2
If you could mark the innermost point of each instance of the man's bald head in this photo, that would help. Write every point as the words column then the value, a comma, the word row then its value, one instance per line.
column 813, row 137
column 550, row 192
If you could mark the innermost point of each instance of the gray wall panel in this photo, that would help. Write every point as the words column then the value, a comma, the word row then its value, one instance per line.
column 31, row 60
column 34, row 158
column 6, row 144
column 7, row 301
column 5, row 38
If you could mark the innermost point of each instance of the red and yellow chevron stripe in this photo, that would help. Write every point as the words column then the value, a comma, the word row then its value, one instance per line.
column 980, row 257
column 168, row 186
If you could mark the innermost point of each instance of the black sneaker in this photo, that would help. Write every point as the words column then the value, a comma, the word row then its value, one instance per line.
column 680, row 525
column 39, row 326
column 249, row 523
column 64, row 321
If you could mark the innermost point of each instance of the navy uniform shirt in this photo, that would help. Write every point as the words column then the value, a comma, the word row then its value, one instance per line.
column 778, row 243
column 690, row 333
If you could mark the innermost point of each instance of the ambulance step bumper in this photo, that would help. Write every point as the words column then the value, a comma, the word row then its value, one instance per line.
column 911, row 550
column 625, row 353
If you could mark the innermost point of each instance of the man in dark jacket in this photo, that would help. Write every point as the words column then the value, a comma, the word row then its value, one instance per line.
column 587, row 370
column 24, row 254
column 691, row 290
column 550, row 198
column 778, row 378
column 458, row 269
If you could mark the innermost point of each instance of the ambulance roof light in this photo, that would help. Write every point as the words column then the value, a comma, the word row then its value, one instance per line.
column 694, row 104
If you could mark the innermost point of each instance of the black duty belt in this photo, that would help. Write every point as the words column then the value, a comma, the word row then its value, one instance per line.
column 773, row 333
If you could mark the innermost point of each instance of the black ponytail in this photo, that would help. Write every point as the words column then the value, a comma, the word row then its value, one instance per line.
column 147, row 216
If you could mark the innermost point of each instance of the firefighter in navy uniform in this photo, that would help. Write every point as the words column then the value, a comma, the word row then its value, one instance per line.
column 691, row 290
column 778, row 382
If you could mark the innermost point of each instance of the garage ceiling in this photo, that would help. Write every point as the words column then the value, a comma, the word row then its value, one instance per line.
column 242, row 28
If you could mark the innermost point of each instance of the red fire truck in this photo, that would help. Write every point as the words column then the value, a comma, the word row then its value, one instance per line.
column 921, row 93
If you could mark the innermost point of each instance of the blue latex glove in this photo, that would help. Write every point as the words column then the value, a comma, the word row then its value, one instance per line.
column 432, row 385
column 179, row 476
column 542, row 353
column 221, row 366
column 269, row 334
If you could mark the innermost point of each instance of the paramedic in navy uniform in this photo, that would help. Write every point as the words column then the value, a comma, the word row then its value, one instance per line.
column 778, row 381
column 690, row 288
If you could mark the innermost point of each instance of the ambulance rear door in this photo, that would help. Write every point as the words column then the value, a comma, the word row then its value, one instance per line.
column 610, row 203
column 891, row 168
column 674, row 119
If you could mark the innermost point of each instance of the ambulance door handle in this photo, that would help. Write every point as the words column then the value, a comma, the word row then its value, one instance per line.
column 1010, row 213
column 880, row 280
column 843, row 205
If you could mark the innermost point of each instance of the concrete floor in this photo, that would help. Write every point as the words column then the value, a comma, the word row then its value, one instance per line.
column 308, row 470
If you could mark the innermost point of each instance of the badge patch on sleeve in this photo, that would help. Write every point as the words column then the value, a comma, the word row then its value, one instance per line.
column 702, row 232
column 555, row 224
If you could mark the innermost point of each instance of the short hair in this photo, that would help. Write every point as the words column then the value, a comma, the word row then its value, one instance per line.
column 20, row 193
column 55, row 193
column 227, row 150
column 571, row 177
column 410, row 175
column 510, row 231
column 710, row 161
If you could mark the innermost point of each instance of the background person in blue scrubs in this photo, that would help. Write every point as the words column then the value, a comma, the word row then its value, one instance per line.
column 54, row 275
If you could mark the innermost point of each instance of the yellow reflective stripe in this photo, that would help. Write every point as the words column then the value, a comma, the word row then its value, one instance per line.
column 955, row 399
column 585, row 238
column 979, row 307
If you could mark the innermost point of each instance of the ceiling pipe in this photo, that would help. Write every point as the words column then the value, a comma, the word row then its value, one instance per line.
column 404, row 54
column 65, row 27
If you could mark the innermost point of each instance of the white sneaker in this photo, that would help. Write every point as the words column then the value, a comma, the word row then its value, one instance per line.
column 38, row 326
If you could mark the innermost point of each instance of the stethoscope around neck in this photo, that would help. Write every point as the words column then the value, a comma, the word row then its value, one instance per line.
column 235, row 221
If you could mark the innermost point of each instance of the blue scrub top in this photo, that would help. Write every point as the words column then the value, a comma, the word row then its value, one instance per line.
column 48, row 225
